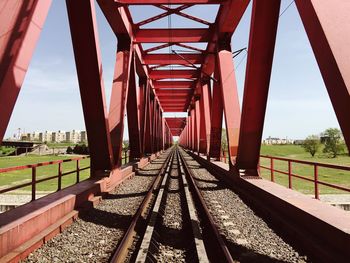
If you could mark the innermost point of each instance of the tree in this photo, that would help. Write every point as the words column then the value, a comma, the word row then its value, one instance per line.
column 69, row 150
column 224, row 144
column 333, row 142
column 312, row 144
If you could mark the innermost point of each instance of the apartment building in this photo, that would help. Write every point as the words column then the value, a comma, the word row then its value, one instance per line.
column 59, row 136
column 45, row 136
column 73, row 136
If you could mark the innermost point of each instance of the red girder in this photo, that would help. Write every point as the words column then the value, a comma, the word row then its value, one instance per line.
column 167, row 2
column 173, row 84
column 178, row 59
column 191, row 35
column 189, row 89
column 173, row 74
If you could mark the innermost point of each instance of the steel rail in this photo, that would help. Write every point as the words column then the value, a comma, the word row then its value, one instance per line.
column 122, row 250
column 212, row 227
column 145, row 248
column 146, row 241
column 196, row 229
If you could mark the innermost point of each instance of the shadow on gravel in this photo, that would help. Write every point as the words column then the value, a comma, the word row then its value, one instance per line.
column 206, row 181
column 107, row 219
column 120, row 196
column 146, row 170
column 246, row 255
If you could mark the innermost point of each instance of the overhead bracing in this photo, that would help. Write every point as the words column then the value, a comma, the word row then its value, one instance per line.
column 199, row 82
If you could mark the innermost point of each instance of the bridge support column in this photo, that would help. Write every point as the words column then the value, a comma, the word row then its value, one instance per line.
column 259, row 64
column 119, row 97
column 197, row 124
column 21, row 25
column 327, row 26
column 192, row 128
column 133, row 116
column 229, row 98
column 148, row 122
column 217, row 111
column 89, row 70
column 205, row 119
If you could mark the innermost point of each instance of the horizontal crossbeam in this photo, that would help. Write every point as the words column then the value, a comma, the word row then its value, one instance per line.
column 172, row 35
column 165, row 59
column 168, row 74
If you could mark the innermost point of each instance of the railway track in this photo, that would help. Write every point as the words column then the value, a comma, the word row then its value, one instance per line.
column 172, row 211
column 173, row 223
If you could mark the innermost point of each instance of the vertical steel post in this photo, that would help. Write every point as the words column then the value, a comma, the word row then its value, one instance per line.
column 265, row 14
column 229, row 98
column 119, row 97
column 290, row 175
column 205, row 119
column 327, row 24
column 78, row 171
column 59, row 181
column 89, row 69
column 132, row 114
column 272, row 170
column 33, row 182
column 317, row 192
column 217, row 111
column 21, row 24
column 197, row 123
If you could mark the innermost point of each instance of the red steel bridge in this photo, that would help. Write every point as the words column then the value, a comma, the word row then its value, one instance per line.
column 200, row 82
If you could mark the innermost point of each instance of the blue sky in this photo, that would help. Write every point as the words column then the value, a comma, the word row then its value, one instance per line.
column 298, row 102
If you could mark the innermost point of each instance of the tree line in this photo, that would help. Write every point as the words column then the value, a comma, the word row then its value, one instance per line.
column 332, row 140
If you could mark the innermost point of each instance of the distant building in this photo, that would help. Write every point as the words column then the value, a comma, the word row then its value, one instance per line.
column 73, row 136
column 83, row 136
column 299, row 142
column 271, row 140
column 45, row 136
column 59, row 136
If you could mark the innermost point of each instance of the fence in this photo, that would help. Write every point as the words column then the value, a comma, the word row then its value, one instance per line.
column 289, row 172
column 315, row 174
column 35, row 181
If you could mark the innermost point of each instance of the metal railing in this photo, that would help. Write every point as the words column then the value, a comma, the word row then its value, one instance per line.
column 125, row 157
column 34, row 181
column 289, row 172
column 315, row 177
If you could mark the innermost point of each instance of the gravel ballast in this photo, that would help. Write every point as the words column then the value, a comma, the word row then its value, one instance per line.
column 96, row 233
column 248, row 237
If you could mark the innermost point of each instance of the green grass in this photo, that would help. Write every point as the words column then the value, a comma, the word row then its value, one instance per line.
column 22, row 176
column 4, row 151
column 296, row 152
column 61, row 144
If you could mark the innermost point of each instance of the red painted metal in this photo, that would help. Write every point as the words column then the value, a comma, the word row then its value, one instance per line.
column 316, row 166
column 217, row 111
column 205, row 119
column 166, row 85
column 119, row 98
column 167, row 2
column 230, row 101
column 197, row 114
column 190, row 35
column 35, row 181
column 178, row 59
column 259, row 64
column 327, row 26
column 133, row 116
column 173, row 74
column 88, row 64
column 21, row 24
column 171, row 82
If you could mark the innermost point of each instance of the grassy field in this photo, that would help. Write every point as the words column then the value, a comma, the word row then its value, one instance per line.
column 23, row 176
column 333, row 176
